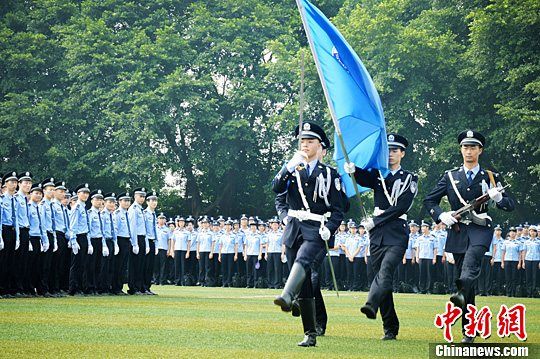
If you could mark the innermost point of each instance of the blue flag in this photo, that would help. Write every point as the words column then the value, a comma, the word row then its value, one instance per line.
column 351, row 94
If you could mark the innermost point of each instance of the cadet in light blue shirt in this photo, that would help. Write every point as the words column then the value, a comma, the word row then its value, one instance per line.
column 228, row 253
column 11, row 237
column 80, row 242
column 164, row 233
column 511, row 261
column 496, row 258
column 123, row 236
column 139, row 242
column 252, row 254
column 205, row 247
column 110, row 244
column 97, row 240
column 150, row 223
column 531, row 255
column 38, row 242
column 274, row 253
column 426, row 253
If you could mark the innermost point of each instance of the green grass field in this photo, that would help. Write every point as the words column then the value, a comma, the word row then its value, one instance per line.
column 203, row 322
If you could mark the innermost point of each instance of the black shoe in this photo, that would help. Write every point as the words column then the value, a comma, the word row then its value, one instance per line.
column 310, row 340
column 389, row 336
column 368, row 311
column 120, row 293
column 458, row 300
column 295, row 309
column 467, row 340
column 320, row 330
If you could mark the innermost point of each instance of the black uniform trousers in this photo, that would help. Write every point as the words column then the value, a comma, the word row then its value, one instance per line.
column 498, row 279
column 484, row 280
column 205, row 269
column 335, row 264
column 179, row 267
column 32, row 269
column 191, row 266
column 305, row 252
column 162, row 267
column 321, row 316
column 370, row 271
column 94, row 264
column 136, row 267
column 468, row 269
column 252, row 273
column 275, row 274
column 406, row 272
column 384, row 260
column 21, row 261
column 241, row 268
column 61, row 262
column 531, row 276
column 78, row 278
column 426, row 269
column 227, row 265
column 8, row 280
column 148, row 269
column 46, row 265
column 451, row 276
column 511, row 274
column 107, row 269
column 120, row 264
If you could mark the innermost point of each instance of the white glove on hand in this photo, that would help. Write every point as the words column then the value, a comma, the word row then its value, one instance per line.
column 299, row 157
column 286, row 220
column 147, row 250
column 45, row 247
column 447, row 218
column 368, row 224
column 495, row 195
column 349, row 167
column 156, row 252
column 90, row 250
column 30, row 247
column 116, row 249
column 135, row 249
column 69, row 244
column 325, row 233
column 1, row 244
column 55, row 245
column 105, row 251
column 75, row 248
column 17, row 244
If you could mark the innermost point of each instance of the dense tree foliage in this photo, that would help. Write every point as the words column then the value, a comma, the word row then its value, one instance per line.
column 198, row 98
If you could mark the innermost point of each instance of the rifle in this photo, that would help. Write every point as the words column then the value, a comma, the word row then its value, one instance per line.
column 472, row 206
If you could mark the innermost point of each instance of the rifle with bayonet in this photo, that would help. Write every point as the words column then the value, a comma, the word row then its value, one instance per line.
column 467, row 213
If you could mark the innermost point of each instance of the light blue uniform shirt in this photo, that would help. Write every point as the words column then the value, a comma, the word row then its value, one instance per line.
column 264, row 241
column 409, row 252
column 193, row 241
column 425, row 246
column 181, row 237
column 122, row 223
column 341, row 240
column 227, row 241
column 490, row 249
column 163, row 235
column 497, row 243
column 351, row 242
column 338, row 240
column 96, row 224
column 253, row 243
column 22, row 203
column 217, row 241
column 274, row 241
column 9, row 217
column 60, row 217
column 440, row 242
column 532, row 249
column 205, row 238
column 240, row 237
column 35, row 219
column 108, row 219
column 136, row 222
column 512, row 249
column 79, row 219
column 150, row 222
column 362, row 243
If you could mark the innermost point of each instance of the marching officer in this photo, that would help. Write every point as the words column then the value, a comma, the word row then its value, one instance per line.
column 312, row 218
column 469, row 238
column 388, row 230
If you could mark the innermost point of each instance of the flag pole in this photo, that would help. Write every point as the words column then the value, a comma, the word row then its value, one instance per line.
column 330, row 104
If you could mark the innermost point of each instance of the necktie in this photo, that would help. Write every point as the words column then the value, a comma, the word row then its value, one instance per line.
column 308, row 170
column 154, row 224
column 127, row 222
column 469, row 177
column 13, row 210
column 112, row 227
column 100, row 223
column 52, row 218
column 65, row 218
column 39, row 220
column 87, row 221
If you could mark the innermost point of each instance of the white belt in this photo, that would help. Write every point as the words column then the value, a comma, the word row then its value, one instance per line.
column 378, row 212
column 308, row 216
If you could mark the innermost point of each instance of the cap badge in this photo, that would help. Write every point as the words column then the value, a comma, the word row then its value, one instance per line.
column 470, row 134
column 391, row 138
column 306, row 127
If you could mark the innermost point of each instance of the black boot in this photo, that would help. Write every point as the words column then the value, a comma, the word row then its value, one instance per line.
column 292, row 287
column 307, row 307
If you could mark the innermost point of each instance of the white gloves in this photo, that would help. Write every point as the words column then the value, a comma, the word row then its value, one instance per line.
column 69, row 244
column 1, row 244
column 135, row 249
column 325, row 233
column 116, row 249
column 45, row 247
column 495, row 195
column 368, row 224
column 447, row 218
column 17, row 244
column 55, row 245
column 299, row 157
column 286, row 220
column 147, row 250
column 90, row 249
column 75, row 248
column 349, row 167
column 30, row 247
column 105, row 251
column 156, row 252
